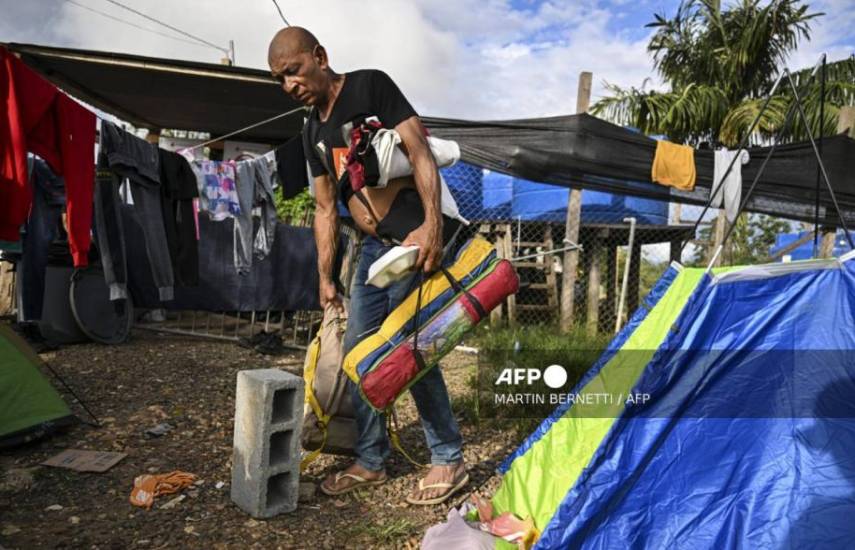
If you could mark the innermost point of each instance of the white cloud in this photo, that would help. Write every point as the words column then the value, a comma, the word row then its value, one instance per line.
column 469, row 58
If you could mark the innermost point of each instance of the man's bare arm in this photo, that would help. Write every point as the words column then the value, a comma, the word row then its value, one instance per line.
column 429, row 235
column 326, row 238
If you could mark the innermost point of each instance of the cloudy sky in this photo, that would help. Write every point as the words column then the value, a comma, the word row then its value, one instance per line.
column 461, row 58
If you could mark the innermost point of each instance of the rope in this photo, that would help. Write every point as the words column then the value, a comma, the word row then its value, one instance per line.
column 245, row 128
column 168, row 26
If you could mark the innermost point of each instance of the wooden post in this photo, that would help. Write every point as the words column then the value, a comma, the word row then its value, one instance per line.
column 511, row 302
column 7, row 288
column 499, row 242
column 573, row 221
column 593, row 300
column 607, row 307
column 846, row 121
column 826, row 245
column 674, row 256
column 717, row 237
column 632, row 292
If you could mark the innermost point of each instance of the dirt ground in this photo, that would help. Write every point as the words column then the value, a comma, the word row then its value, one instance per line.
column 190, row 384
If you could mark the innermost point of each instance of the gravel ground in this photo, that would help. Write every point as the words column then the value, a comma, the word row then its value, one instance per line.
column 189, row 383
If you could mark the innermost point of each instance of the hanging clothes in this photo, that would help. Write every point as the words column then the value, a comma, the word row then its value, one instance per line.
column 674, row 165
column 44, row 225
column 110, row 230
column 178, row 191
column 255, row 189
column 217, row 191
column 139, row 161
column 291, row 167
column 38, row 118
column 730, row 192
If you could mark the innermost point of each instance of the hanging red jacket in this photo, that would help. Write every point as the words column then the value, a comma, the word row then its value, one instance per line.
column 36, row 117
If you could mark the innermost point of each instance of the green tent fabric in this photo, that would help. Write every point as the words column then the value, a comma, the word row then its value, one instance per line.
column 29, row 406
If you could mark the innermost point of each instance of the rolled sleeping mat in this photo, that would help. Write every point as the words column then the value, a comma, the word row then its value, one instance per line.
column 384, row 365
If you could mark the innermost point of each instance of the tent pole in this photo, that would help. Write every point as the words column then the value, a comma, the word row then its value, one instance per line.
column 822, row 76
column 790, row 111
column 741, row 147
column 71, row 391
column 798, row 102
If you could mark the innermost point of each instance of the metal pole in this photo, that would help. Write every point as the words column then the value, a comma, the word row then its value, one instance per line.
column 821, row 123
column 798, row 102
column 716, row 186
column 744, row 202
column 742, row 145
column 625, row 282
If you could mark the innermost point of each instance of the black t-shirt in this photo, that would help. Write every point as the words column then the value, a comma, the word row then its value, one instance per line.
column 364, row 94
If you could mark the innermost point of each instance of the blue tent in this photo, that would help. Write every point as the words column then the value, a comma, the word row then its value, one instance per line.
column 746, row 439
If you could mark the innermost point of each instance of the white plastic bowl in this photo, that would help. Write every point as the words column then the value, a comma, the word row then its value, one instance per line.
column 392, row 266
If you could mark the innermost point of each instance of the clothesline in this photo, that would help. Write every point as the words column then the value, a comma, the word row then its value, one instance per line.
column 245, row 128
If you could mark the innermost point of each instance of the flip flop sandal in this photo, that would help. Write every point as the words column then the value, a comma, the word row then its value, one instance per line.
column 360, row 482
column 453, row 488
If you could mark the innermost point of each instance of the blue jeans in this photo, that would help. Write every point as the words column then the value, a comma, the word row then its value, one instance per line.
column 369, row 307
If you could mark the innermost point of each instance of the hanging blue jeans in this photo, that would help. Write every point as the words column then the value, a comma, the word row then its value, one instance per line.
column 369, row 307
column 43, row 227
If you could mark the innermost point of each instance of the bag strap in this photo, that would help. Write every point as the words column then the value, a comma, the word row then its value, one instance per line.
column 323, row 418
column 392, row 428
column 455, row 284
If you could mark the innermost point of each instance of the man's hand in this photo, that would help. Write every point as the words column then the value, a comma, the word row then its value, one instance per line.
column 329, row 297
column 428, row 237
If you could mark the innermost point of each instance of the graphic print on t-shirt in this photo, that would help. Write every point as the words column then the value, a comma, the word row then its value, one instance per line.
column 339, row 155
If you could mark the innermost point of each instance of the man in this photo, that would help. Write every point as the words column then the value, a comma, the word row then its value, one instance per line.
column 406, row 210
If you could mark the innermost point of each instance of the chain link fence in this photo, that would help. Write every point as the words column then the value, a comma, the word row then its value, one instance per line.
column 626, row 243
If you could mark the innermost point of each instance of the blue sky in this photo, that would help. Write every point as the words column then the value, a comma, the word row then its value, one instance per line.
column 461, row 58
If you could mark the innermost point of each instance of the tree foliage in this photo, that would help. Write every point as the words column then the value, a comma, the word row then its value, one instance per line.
column 720, row 65
column 750, row 243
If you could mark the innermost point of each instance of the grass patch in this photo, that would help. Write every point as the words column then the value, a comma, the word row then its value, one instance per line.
column 390, row 531
column 531, row 347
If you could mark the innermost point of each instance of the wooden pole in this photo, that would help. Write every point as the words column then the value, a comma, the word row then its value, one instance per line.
column 573, row 221
column 846, row 121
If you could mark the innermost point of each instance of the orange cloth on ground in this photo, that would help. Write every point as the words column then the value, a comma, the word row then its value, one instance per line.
column 147, row 487
column 674, row 165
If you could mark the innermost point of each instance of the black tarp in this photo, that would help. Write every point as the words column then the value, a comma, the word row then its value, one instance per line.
column 586, row 152
column 287, row 279
column 577, row 150
column 156, row 93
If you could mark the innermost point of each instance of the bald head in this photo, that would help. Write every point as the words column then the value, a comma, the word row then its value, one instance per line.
column 291, row 41
column 301, row 66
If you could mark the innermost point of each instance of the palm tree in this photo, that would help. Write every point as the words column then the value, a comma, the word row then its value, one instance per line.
column 720, row 66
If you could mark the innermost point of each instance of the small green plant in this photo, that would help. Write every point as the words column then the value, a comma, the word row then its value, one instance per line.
column 393, row 530
column 294, row 210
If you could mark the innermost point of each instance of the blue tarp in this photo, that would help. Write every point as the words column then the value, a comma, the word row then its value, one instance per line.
column 748, row 440
column 805, row 251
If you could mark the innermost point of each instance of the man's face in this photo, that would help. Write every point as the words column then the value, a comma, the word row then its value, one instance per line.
column 301, row 76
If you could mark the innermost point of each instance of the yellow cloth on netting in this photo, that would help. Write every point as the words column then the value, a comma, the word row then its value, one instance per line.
column 674, row 165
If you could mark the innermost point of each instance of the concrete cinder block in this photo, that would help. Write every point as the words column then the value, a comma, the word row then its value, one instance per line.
column 266, row 456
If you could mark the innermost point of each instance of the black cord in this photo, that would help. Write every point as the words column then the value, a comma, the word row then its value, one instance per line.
column 818, row 171
column 287, row 24
column 97, row 423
